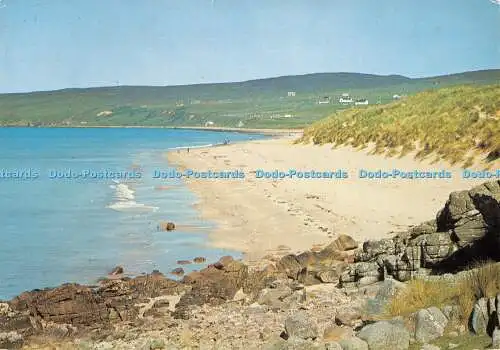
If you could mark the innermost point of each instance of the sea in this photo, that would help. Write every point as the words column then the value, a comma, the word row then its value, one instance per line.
column 76, row 202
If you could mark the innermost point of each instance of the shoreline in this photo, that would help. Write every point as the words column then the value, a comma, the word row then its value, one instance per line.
column 272, row 216
column 271, row 132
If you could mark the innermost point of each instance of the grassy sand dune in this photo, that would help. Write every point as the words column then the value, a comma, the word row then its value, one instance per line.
column 455, row 124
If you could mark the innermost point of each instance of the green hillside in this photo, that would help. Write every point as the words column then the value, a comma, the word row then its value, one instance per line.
column 256, row 103
column 454, row 123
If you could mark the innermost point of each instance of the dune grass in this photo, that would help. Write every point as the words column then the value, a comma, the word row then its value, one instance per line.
column 455, row 124
column 482, row 280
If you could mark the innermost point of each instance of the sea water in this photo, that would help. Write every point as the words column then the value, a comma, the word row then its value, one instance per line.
column 57, row 229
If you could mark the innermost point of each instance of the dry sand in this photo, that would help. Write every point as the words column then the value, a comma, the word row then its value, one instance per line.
column 257, row 216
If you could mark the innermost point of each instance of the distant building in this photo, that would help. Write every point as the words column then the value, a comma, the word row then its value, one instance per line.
column 241, row 124
column 345, row 98
column 324, row 100
column 209, row 123
column 291, row 93
column 362, row 101
column 396, row 97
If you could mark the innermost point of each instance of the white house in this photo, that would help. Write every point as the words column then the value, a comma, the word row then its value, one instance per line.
column 209, row 123
column 291, row 93
column 396, row 97
column 362, row 101
column 345, row 98
column 241, row 124
column 324, row 100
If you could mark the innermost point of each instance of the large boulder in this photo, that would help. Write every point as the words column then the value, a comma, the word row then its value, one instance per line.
column 385, row 335
column 213, row 285
column 429, row 324
column 291, row 266
column 302, row 326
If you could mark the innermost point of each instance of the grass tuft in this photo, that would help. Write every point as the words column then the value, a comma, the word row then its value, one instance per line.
column 481, row 280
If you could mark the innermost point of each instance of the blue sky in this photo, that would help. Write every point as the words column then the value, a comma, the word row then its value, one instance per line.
column 53, row 44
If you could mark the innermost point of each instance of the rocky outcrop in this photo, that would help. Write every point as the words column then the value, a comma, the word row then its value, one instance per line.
column 72, row 308
column 466, row 229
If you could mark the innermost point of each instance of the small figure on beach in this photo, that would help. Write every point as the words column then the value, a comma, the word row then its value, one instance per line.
column 188, row 149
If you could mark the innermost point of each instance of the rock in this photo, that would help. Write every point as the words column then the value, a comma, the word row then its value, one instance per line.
column 214, row 285
column 11, row 340
column 178, row 271
column 466, row 229
column 301, row 325
column 430, row 347
column 348, row 316
column 336, row 333
column 480, row 317
column 199, row 260
column 429, row 324
column 387, row 289
column 353, row 343
column 451, row 312
column 368, row 280
column 374, row 248
column 240, row 296
column 385, row 335
column 4, row 309
column 332, row 345
column 290, row 266
column 183, row 262
column 328, row 276
column 274, row 297
column 118, row 270
column 436, row 247
column 343, row 243
column 296, row 343
column 86, row 307
column 156, row 344
column 496, row 338
column 166, row 226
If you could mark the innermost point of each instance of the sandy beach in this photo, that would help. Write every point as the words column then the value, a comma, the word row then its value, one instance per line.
column 262, row 216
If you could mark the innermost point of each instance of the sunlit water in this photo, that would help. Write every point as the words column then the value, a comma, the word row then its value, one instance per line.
column 75, row 230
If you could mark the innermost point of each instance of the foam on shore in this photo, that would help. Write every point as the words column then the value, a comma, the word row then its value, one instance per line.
column 125, row 200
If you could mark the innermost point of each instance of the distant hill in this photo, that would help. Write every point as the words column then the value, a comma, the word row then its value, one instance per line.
column 255, row 103
column 456, row 124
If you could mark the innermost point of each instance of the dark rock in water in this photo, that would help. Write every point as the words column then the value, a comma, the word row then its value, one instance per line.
column 118, row 270
column 179, row 271
column 166, row 226
column 184, row 262
column 199, row 260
